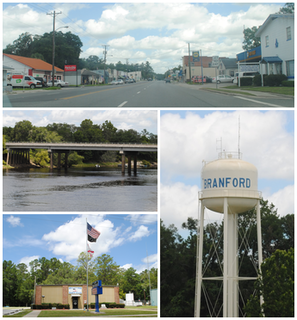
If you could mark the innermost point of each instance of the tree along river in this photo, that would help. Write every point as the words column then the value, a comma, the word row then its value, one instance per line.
column 79, row 189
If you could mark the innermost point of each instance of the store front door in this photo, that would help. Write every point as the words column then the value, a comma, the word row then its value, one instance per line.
column 75, row 302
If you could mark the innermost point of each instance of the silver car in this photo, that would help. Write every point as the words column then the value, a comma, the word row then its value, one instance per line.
column 223, row 78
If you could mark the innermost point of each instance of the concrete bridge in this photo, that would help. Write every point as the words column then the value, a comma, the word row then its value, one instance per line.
column 19, row 152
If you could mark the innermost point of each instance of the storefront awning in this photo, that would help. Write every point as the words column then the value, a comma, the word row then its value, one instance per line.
column 271, row 60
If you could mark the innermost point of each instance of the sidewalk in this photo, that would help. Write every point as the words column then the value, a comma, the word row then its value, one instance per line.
column 32, row 314
column 221, row 89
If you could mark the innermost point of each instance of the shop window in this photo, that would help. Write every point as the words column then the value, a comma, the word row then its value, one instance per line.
column 267, row 41
column 278, row 68
column 288, row 30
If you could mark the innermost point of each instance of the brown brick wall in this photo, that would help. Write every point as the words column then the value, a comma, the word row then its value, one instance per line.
column 117, row 294
column 84, row 296
column 38, row 295
column 65, row 295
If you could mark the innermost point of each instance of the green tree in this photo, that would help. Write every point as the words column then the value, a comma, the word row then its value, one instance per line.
column 250, row 40
column 287, row 8
column 22, row 130
column 22, row 46
column 131, row 283
column 106, row 270
column 10, row 283
column 276, row 285
column 40, row 157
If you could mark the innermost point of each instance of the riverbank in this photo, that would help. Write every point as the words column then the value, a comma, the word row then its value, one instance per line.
column 81, row 165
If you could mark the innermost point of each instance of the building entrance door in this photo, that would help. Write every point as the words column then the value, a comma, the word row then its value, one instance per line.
column 75, row 302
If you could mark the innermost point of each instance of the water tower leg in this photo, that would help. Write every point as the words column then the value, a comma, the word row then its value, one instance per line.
column 199, row 263
column 259, row 240
column 225, row 266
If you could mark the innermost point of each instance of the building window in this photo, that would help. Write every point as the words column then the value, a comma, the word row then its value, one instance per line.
column 267, row 41
column 288, row 30
column 290, row 69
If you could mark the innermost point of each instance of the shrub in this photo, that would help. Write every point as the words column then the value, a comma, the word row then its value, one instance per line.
column 275, row 80
column 246, row 81
column 287, row 83
column 257, row 80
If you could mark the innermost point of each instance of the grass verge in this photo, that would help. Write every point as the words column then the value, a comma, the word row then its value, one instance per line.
column 105, row 312
column 278, row 90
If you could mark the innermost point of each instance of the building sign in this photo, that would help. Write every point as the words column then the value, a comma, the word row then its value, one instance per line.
column 196, row 57
column 70, row 67
column 75, row 290
column 249, row 67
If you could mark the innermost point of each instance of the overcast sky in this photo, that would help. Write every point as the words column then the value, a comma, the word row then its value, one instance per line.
column 189, row 137
column 131, row 240
column 121, row 119
column 140, row 32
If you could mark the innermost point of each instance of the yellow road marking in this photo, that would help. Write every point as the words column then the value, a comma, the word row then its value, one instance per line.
column 85, row 94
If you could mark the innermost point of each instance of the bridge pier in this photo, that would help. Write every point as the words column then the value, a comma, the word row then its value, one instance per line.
column 130, row 155
column 19, row 156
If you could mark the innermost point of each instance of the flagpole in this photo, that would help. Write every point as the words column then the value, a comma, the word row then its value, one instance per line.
column 87, row 264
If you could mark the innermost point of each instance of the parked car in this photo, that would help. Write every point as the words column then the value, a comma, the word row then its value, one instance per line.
column 114, row 82
column 58, row 83
column 167, row 80
column 120, row 81
column 149, row 79
column 223, row 78
column 246, row 74
column 44, row 83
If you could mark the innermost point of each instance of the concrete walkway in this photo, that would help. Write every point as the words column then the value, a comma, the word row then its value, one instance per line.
column 32, row 314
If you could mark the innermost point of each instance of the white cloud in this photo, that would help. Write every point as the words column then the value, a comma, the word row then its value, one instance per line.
column 143, row 30
column 283, row 200
column 27, row 260
column 177, row 203
column 127, row 266
column 14, row 221
column 70, row 238
column 264, row 141
column 141, row 232
column 185, row 142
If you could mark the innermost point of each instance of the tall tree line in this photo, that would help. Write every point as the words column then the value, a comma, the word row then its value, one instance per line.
column 67, row 51
column 19, row 279
column 178, row 260
column 87, row 131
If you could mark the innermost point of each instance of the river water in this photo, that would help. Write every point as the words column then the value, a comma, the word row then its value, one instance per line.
column 79, row 189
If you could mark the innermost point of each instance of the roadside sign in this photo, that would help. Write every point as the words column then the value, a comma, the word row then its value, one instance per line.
column 215, row 61
column 196, row 56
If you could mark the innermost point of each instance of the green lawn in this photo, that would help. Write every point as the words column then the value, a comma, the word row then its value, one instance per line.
column 278, row 90
column 104, row 312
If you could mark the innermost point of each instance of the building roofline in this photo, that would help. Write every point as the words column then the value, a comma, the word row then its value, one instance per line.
column 269, row 19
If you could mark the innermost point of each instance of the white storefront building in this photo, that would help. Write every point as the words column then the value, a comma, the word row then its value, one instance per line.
column 277, row 45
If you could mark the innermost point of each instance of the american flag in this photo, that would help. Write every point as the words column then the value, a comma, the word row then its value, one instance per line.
column 93, row 234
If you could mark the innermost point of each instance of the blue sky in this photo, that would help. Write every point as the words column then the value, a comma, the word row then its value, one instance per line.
column 189, row 137
column 130, row 239
column 121, row 119
column 140, row 32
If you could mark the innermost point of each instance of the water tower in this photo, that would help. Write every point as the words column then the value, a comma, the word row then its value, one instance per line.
column 229, row 186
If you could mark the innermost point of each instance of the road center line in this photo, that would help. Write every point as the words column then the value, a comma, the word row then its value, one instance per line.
column 266, row 103
column 138, row 92
column 122, row 104
column 85, row 94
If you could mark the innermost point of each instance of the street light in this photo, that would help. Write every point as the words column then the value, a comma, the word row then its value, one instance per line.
column 53, row 63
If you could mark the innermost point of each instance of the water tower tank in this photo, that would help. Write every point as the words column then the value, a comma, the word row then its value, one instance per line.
column 232, row 178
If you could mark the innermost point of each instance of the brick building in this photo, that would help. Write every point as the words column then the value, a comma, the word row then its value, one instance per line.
column 74, row 295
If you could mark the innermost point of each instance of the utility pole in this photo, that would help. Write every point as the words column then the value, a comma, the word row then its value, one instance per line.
column 189, row 63
column 53, row 60
column 104, row 52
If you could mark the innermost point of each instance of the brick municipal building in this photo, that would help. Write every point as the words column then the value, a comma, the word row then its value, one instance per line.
column 74, row 295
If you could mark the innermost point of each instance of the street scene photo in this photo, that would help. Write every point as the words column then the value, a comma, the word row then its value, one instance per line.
column 132, row 55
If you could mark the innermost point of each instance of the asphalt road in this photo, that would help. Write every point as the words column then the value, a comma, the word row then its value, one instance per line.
column 143, row 94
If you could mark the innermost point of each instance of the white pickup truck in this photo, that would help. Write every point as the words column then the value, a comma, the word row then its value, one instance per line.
column 25, row 81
